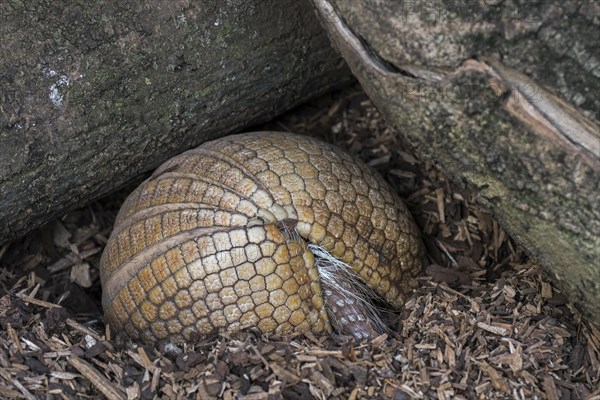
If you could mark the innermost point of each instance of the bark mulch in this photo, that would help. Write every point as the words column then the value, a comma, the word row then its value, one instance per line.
column 485, row 323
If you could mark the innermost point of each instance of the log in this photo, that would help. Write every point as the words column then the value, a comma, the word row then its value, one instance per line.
column 93, row 94
column 503, row 97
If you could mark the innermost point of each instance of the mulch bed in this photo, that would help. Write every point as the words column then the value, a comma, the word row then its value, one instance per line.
column 485, row 323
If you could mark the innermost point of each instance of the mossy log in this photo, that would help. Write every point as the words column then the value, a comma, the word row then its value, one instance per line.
column 93, row 94
column 503, row 97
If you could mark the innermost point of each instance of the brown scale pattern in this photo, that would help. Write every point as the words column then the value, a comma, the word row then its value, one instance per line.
column 199, row 246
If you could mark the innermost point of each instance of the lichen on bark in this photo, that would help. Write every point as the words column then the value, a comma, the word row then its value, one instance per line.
column 93, row 94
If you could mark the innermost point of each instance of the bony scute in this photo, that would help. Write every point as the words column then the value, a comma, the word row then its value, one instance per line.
column 270, row 230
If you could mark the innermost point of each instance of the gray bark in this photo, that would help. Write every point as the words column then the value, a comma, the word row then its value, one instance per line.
column 92, row 94
column 503, row 97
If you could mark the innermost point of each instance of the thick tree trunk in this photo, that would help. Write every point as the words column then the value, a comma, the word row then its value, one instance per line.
column 505, row 100
column 92, row 94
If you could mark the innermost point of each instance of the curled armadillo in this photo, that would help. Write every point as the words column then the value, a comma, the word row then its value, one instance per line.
column 271, row 230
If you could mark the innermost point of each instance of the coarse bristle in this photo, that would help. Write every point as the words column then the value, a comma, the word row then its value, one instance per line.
column 349, row 301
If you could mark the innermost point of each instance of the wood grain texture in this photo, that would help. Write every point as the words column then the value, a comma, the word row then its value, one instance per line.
column 503, row 98
column 94, row 95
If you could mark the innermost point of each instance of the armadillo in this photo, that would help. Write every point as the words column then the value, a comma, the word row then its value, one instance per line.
column 271, row 230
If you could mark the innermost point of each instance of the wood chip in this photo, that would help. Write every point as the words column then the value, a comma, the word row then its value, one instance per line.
column 497, row 330
column 111, row 391
column 484, row 321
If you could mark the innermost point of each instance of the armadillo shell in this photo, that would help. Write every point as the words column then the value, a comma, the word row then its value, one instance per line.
column 216, row 239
